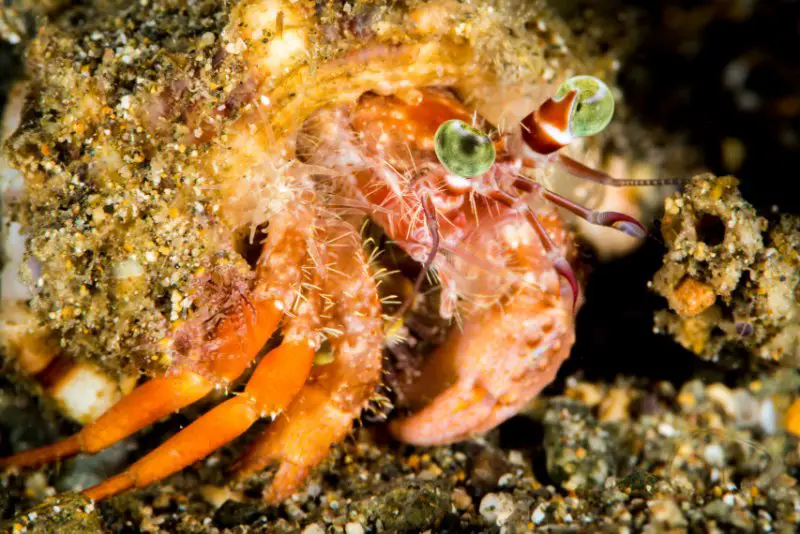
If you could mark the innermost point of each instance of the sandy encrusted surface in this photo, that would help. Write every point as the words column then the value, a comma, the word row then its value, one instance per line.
column 731, row 278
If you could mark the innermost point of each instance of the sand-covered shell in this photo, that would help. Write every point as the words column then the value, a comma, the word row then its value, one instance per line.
column 154, row 146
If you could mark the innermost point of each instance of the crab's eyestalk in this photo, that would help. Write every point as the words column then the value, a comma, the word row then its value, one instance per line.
column 582, row 106
column 463, row 150
column 593, row 107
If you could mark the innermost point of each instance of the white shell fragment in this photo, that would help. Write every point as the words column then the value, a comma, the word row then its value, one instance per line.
column 13, row 249
column 12, row 242
column 85, row 392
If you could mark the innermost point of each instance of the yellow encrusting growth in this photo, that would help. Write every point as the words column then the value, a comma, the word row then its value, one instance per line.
column 793, row 418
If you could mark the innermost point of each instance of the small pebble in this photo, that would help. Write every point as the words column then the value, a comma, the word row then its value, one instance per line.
column 714, row 455
column 353, row 528
column 313, row 490
column 666, row 513
column 588, row 394
column 505, row 480
column 36, row 485
column 497, row 508
column 314, row 529
column 768, row 419
column 516, row 458
column 461, row 499
column 667, row 430
column 538, row 514
column 216, row 496
column 614, row 406
column 687, row 401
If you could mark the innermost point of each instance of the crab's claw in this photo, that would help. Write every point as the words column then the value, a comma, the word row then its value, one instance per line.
column 500, row 359
column 486, row 373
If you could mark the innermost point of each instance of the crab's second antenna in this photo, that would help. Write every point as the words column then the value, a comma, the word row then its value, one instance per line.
column 584, row 172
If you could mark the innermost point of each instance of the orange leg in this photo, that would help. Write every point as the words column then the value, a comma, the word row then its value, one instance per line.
column 160, row 397
column 276, row 380
column 237, row 341
column 323, row 412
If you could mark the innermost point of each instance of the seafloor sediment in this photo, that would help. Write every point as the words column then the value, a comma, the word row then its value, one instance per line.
column 628, row 456
column 732, row 279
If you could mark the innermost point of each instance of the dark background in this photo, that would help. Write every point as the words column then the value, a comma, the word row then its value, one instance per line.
column 701, row 73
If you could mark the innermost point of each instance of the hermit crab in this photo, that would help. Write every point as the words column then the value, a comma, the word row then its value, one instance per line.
column 196, row 180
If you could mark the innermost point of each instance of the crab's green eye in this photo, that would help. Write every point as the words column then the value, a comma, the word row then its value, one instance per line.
column 463, row 150
column 593, row 107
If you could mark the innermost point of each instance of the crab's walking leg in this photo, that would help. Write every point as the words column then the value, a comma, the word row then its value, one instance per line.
column 323, row 412
column 161, row 396
column 237, row 341
column 275, row 381
column 610, row 219
column 559, row 262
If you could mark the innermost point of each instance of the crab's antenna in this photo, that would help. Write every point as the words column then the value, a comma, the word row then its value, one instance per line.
column 560, row 264
column 579, row 170
column 611, row 219
column 433, row 227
